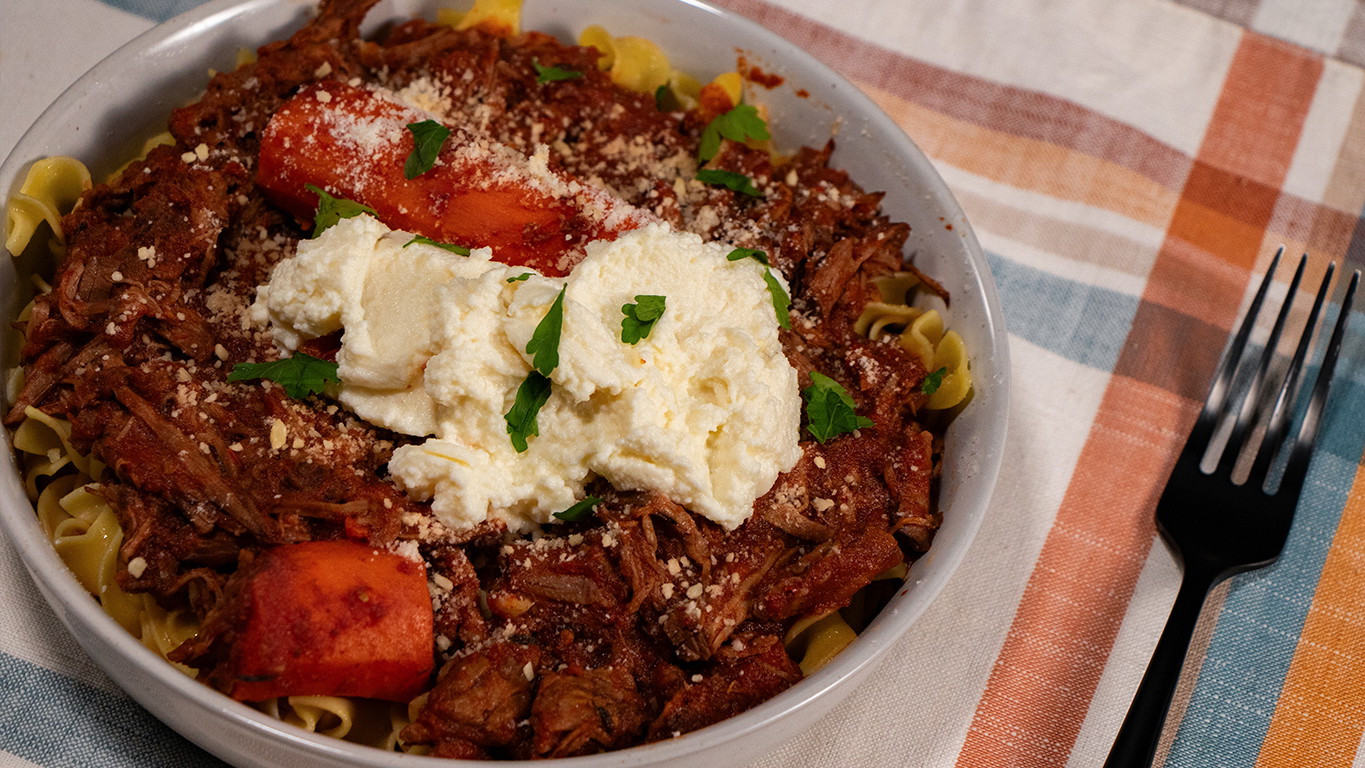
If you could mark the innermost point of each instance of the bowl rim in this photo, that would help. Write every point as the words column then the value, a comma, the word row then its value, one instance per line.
column 76, row 609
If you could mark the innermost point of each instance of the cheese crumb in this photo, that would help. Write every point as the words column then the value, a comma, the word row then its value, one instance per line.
column 136, row 567
column 279, row 433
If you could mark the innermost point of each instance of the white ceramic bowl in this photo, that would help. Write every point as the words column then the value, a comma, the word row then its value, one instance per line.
column 105, row 116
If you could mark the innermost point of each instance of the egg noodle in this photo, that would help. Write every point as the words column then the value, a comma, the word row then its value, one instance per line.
column 64, row 485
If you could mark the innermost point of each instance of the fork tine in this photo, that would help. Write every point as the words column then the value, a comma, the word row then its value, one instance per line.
column 1247, row 408
column 1302, row 450
column 1283, row 409
column 1222, row 380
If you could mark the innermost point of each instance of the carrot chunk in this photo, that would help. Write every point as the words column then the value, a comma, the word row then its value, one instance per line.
column 353, row 143
column 329, row 618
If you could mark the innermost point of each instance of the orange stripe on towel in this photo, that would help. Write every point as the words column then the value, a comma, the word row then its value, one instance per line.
column 1028, row 163
column 1320, row 716
column 1060, row 640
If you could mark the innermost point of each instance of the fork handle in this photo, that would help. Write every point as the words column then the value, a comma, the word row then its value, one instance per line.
column 1135, row 746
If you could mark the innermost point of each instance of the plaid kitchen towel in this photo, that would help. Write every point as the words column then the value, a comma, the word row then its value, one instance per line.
column 1129, row 167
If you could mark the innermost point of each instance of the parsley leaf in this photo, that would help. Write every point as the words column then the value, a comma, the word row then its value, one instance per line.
column 829, row 408
column 521, row 419
column 334, row 209
column 553, row 74
column 544, row 344
column 933, row 381
column 300, row 375
column 782, row 303
column 580, row 509
column 730, row 180
column 739, row 124
column 640, row 317
column 535, row 389
column 427, row 138
column 519, row 278
column 460, row 249
column 749, row 253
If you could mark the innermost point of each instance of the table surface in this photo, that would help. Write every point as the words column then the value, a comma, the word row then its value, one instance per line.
column 1129, row 167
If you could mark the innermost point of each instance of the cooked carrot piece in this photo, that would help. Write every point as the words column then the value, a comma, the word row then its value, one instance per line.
column 354, row 143
column 330, row 618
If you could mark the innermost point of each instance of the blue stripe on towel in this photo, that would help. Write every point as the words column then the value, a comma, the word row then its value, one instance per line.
column 156, row 10
column 55, row 721
column 1080, row 322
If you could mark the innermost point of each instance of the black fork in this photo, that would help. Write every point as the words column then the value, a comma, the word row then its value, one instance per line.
column 1218, row 526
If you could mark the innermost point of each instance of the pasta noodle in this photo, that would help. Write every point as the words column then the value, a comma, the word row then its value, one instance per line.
column 732, row 84
column 51, row 188
column 50, row 437
column 636, row 63
column 923, row 333
column 372, row 723
column 822, row 641
column 82, row 527
column 945, row 351
column 162, row 631
column 502, row 17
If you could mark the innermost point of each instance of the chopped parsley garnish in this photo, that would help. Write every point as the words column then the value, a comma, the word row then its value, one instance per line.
column 519, row 278
column 546, row 74
column 579, row 510
column 933, row 381
column 731, row 180
column 749, row 253
column 782, row 303
column 427, row 138
column 521, row 420
column 300, row 375
column 662, row 97
column 544, row 344
column 739, row 124
column 534, row 391
column 640, row 317
column 333, row 209
column 829, row 409
column 460, row 249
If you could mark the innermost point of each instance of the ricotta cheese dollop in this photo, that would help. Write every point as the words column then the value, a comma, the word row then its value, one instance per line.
column 705, row 409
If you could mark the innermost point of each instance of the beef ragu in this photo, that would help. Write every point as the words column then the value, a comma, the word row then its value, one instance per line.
column 639, row 623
